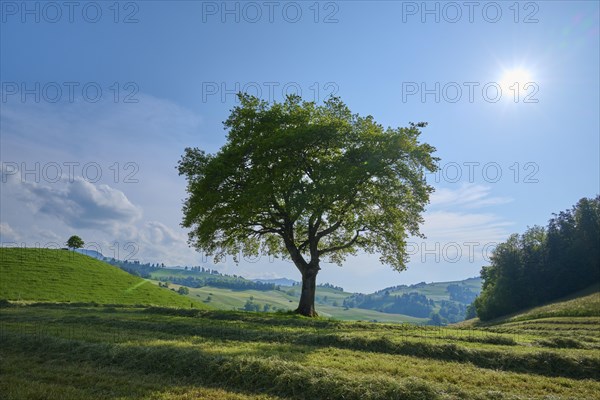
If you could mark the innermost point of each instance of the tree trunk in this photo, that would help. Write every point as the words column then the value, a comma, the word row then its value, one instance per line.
column 307, row 297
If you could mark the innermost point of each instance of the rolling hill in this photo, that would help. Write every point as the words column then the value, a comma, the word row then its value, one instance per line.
column 48, row 275
column 422, row 303
column 287, row 298
column 437, row 291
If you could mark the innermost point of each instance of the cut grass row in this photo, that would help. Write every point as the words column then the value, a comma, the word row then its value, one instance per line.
column 249, row 373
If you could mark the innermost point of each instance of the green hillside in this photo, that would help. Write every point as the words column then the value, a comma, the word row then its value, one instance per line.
column 571, row 322
column 29, row 274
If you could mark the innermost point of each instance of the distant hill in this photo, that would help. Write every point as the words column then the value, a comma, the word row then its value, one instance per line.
column 33, row 274
column 439, row 290
column 91, row 253
column 449, row 300
column 192, row 277
column 404, row 303
column 278, row 281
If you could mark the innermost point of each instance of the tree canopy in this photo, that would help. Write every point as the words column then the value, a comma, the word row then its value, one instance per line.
column 75, row 242
column 308, row 182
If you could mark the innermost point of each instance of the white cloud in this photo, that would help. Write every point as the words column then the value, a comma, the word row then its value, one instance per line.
column 461, row 226
column 468, row 195
column 110, row 213
column 79, row 204
column 158, row 233
column 8, row 234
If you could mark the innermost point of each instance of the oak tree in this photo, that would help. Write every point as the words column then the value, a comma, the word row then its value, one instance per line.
column 312, row 183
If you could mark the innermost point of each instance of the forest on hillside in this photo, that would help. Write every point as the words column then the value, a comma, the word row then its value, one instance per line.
column 544, row 263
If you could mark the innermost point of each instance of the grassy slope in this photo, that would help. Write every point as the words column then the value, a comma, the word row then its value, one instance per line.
column 571, row 322
column 585, row 303
column 66, row 276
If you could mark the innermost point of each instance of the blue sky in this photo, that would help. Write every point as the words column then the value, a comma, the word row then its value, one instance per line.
column 98, row 103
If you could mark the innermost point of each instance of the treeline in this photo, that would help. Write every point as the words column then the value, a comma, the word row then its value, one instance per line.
column 135, row 268
column 413, row 304
column 543, row 264
column 452, row 311
column 220, row 281
column 323, row 285
column 197, row 276
column 461, row 293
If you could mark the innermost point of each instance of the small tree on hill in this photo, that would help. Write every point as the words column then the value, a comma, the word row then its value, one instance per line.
column 183, row 290
column 75, row 242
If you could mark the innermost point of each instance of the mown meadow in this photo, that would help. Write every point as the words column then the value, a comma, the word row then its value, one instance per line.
column 76, row 328
column 84, row 351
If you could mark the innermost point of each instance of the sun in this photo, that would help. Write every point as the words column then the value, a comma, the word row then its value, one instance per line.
column 514, row 79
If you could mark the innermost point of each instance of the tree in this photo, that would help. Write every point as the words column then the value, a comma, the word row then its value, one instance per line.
column 75, row 242
column 309, row 183
column 436, row 320
column 251, row 306
column 183, row 290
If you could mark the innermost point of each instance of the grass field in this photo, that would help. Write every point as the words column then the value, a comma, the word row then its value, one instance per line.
column 76, row 352
column 115, row 347
column 30, row 274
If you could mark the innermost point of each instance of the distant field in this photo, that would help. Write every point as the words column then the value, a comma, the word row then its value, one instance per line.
column 228, row 299
column 29, row 274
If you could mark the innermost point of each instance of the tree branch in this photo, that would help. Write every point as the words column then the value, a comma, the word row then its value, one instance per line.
column 335, row 226
column 343, row 246
column 329, row 230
